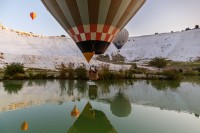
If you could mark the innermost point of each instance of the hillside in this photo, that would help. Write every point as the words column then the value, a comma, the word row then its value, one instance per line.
column 37, row 51
column 180, row 46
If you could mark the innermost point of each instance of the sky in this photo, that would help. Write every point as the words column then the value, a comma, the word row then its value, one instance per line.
column 156, row 16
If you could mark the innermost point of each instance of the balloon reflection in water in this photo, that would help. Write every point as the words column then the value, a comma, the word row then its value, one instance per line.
column 92, row 121
column 93, row 91
column 75, row 112
column 120, row 105
column 24, row 126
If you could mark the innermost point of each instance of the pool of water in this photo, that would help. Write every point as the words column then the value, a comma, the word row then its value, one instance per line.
column 124, row 106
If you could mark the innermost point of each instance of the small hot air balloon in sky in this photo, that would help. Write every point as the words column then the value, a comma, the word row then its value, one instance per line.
column 121, row 38
column 24, row 126
column 93, row 24
column 33, row 15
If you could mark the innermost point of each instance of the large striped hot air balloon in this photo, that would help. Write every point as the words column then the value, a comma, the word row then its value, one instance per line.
column 93, row 24
column 121, row 38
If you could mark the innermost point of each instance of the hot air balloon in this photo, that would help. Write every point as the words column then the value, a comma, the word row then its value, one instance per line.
column 93, row 24
column 24, row 126
column 33, row 15
column 121, row 38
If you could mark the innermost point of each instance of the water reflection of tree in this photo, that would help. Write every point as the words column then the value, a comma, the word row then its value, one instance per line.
column 105, row 85
column 81, row 85
column 117, row 84
column 62, row 84
column 13, row 87
column 37, row 82
column 165, row 84
column 70, row 90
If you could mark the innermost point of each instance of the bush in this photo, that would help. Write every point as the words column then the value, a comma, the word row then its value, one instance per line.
column 196, row 26
column 62, row 74
column 128, row 74
column 19, row 76
column 134, row 66
column 81, row 72
column 106, row 73
column 158, row 62
column 187, row 29
column 190, row 73
column 41, row 75
column 14, row 68
column 172, row 75
column 70, row 70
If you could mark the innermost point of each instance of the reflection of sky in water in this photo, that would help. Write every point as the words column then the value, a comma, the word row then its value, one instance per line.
column 128, row 106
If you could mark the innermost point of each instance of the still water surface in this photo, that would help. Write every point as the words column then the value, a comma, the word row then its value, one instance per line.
column 47, row 106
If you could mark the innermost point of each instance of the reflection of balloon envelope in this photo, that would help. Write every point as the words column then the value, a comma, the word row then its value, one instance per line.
column 93, row 24
column 24, row 126
column 75, row 112
column 121, row 38
column 92, row 121
column 120, row 105
column 93, row 91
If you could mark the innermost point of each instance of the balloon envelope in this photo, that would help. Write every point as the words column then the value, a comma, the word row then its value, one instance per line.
column 33, row 15
column 93, row 24
column 121, row 38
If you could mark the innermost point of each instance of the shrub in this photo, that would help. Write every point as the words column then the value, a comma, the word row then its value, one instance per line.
column 196, row 26
column 128, row 74
column 41, row 75
column 19, row 76
column 70, row 70
column 134, row 66
column 81, row 72
column 106, row 73
column 158, row 62
column 14, row 68
column 190, row 73
column 172, row 75
column 187, row 29
column 62, row 74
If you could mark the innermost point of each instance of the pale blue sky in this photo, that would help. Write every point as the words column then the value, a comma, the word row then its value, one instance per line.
column 155, row 16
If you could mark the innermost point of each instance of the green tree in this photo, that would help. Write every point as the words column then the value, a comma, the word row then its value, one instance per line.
column 14, row 68
column 196, row 26
column 158, row 62
column 81, row 72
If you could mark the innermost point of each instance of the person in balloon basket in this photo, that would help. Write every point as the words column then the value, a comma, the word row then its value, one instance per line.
column 93, row 73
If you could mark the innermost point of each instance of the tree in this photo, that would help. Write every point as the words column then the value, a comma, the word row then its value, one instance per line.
column 158, row 62
column 81, row 72
column 187, row 29
column 196, row 26
column 14, row 68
